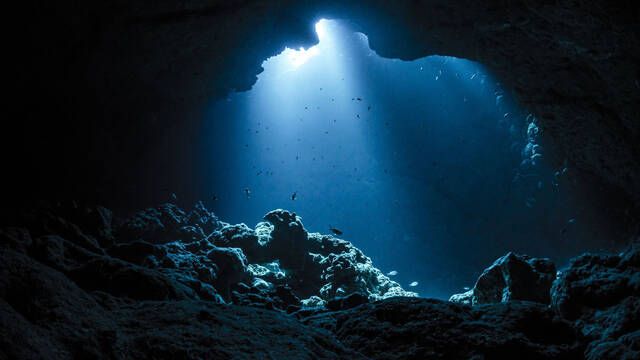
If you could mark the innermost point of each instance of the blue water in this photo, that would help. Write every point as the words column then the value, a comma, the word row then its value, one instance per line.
column 419, row 163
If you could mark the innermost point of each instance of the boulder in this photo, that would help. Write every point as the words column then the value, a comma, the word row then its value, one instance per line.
column 512, row 277
column 155, row 225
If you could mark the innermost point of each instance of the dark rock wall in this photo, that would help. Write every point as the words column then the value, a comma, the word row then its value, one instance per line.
column 111, row 95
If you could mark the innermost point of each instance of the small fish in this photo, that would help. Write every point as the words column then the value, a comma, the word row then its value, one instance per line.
column 414, row 284
column 335, row 231
column 466, row 288
column 294, row 195
column 572, row 221
column 392, row 273
column 247, row 192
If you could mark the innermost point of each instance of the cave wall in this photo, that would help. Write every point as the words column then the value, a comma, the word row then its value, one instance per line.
column 111, row 96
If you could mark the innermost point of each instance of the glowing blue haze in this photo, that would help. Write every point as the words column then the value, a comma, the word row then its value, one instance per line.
column 414, row 161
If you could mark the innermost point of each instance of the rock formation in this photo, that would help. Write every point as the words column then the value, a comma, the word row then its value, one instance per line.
column 599, row 293
column 167, row 283
column 512, row 277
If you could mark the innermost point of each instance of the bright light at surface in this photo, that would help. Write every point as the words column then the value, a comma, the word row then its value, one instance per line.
column 321, row 28
column 297, row 58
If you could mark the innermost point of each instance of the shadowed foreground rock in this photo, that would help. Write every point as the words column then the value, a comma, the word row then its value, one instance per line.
column 404, row 328
column 601, row 292
column 160, row 285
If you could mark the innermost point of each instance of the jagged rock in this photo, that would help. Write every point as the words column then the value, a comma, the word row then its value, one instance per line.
column 203, row 219
column 270, row 273
column 240, row 236
column 311, row 263
column 279, row 297
column 352, row 272
column 601, row 292
column 44, row 315
column 167, row 223
column 513, row 277
column 156, row 225
column 462, row 298
column 61, row 298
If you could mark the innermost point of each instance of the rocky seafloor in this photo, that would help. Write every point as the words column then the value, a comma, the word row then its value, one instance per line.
column 77, row 282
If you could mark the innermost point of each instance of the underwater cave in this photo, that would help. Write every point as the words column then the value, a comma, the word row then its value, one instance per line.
column 429, row 166
column 375, row 180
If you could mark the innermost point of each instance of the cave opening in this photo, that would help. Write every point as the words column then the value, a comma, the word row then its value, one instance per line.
column 429, row 166
column 440, row 138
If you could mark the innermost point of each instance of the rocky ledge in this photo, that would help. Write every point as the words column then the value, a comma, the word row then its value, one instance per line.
column 166, row 283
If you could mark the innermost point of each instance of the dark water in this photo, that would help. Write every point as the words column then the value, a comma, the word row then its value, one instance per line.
column 419, row 163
